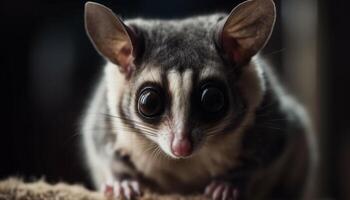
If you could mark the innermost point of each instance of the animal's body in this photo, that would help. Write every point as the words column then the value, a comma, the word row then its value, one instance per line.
column 188, row 106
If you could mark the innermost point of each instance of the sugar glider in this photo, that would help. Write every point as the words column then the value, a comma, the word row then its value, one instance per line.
column 187, row 106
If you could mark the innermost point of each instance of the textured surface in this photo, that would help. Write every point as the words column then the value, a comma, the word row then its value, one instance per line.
column 16, row 189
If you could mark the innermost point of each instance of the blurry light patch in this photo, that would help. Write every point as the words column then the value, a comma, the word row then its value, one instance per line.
column 52, row 61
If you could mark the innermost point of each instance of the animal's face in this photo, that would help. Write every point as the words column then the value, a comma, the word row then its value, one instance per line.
column 181, row 76
column 179, row 110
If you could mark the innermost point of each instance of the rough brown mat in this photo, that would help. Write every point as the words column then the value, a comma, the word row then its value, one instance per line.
column 16, row 189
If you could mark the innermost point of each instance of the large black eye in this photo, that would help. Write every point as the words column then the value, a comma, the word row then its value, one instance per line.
column 212, row 99
column 150, row 103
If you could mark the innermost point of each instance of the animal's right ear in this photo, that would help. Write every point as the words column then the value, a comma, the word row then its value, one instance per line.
column 110, row 36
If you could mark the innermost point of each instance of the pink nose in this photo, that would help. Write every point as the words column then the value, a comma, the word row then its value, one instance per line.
column 181, row 147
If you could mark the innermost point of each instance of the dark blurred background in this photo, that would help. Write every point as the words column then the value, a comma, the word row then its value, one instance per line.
column 48, row 69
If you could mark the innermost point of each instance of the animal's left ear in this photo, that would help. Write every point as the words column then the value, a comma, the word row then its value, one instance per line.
column 246, row 30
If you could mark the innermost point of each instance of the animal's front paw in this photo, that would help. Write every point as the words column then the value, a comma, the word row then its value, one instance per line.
column 221, row 190
column 125, row 189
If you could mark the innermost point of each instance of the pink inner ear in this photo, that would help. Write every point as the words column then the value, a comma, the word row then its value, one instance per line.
column 231, row 46
column 236, row 56
column 125, row 60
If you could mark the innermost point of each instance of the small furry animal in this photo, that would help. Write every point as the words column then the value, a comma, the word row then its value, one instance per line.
column 187, row 106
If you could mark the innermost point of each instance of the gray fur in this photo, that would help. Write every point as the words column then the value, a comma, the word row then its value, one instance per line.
column 259, row 131
column 179, row 44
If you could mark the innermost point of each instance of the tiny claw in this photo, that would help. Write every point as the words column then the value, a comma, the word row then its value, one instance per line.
column 126, row 189
column 136, row 187
column 210, row 189
column 218, row 192
column 221, row 191
column 118, row 190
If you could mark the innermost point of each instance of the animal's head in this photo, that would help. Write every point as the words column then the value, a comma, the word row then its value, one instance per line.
column 183, row 79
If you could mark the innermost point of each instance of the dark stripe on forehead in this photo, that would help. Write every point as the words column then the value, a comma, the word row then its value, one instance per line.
column 167, row 92
column 195, row 77
column 164, row 80
column 191, row 121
